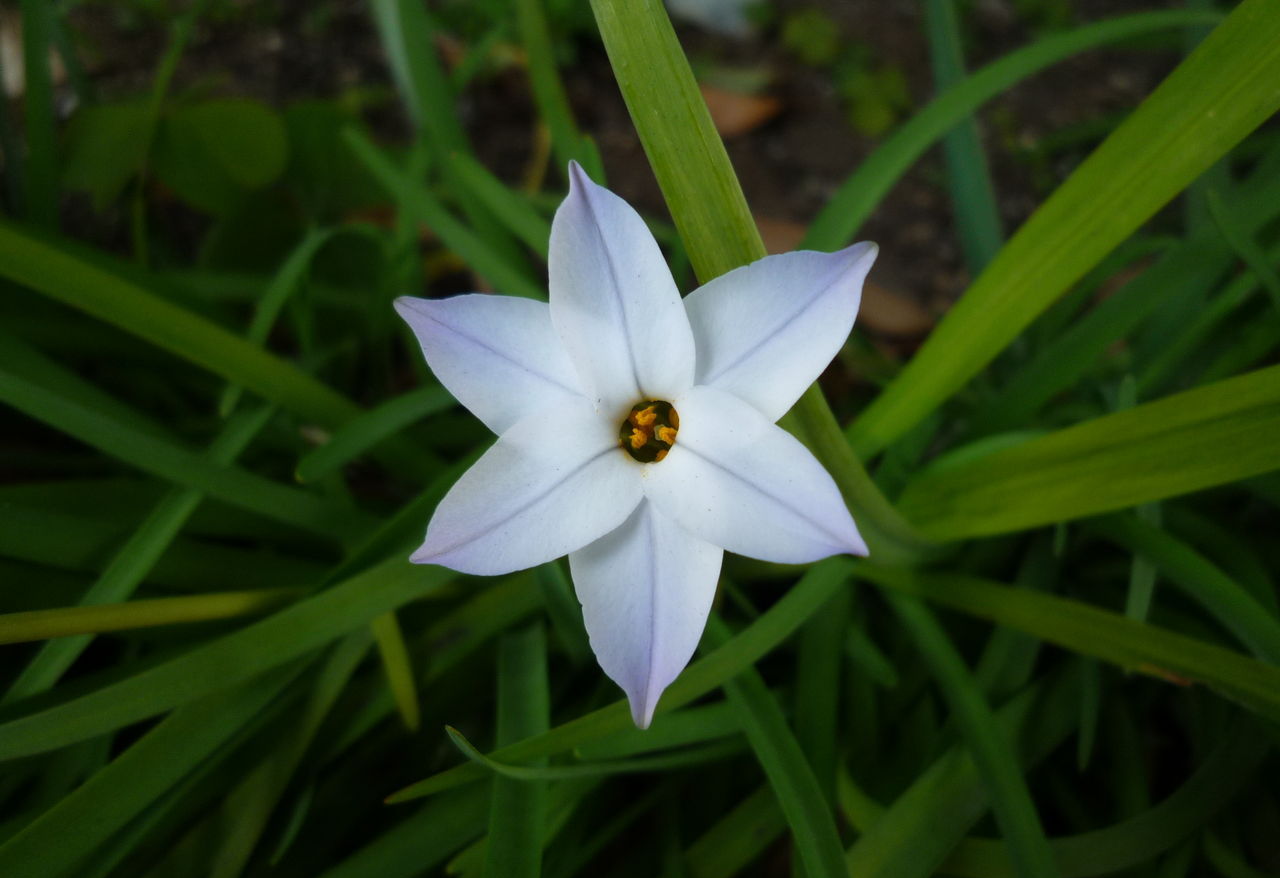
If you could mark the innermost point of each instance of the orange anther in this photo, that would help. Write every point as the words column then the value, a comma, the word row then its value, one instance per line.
column 666, row 434
column 639, row 437
column 644, row 417
column 661, row 454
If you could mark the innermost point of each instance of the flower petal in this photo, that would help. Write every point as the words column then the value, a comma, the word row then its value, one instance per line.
column 743, row 483
column 646, row 589
column 554, row 482
column 613, row 301
column 498, row 355
column 765, row 332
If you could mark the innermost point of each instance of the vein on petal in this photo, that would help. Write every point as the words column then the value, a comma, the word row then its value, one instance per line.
column 520, row 510
column 652, row 570
column 753, row 350
column 480, row 343
column 616, row 287
column 818, row 525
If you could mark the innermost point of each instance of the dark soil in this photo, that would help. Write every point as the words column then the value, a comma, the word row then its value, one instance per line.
column 789, row 166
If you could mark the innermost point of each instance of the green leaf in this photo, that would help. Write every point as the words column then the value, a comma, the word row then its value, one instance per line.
column 911, row 837
column 678, row 136
column 57, row 840
column 1155, row 450
column 1241, row 241
column 548, row 92
column 211, row 152
column 735, row 841
column 184, row 467
column 106, row 148
column 509, row 206
column 371, row 428
column 858, row 196
column 1224, row 599
column 1220, row 93
column 704, row 675
column 407, row 39
column 416, row 201
column 421, row 841
column 62, row 275
column 527, row 774
column 282, row 286
column 986, row 741
column 518, row 809
column 973, row 198
column 812, row 824
column 247, row 808
column 398, row 668
column 134, row 560
column 711, row 214
column 1228, row 769
column 67, row 621
column 40, row 194
column 223, row 662
column 1131, row 645
column 817, row 677
column 1193, row 265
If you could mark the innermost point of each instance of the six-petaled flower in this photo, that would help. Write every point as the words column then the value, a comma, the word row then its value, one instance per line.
column 636, row 429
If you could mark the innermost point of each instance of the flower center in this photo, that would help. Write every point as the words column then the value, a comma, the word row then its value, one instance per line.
column 649, row 430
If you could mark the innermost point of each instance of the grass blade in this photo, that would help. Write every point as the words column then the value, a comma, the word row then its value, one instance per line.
column 223, row 662
column 68, row 621
column 917, row 832
column 973, row 198
column 417, row 201
column 248, row 807
column 398, row 668
column 988, row 746
column 61, row 275
column 678, row 136
column 1131, row 645
column 518, row 809
column 1242, row 242
column 134, row 560
column 1220, row 93
column 421, row 841
column 40, row 195
column 1155, row 450
column 72, row 829
column 812, row 825
column 858, row 196
column 282, row 286
column 548, row 92
column 512, row 208
column 366, row 431
column 1228, row 602
column 156, row 456
column 775, row 625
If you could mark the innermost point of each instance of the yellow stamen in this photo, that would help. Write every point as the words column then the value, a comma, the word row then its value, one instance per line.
column 666, row 434
column 639, row 437
column 674, row 419
column 644, row 417
column 661, row 454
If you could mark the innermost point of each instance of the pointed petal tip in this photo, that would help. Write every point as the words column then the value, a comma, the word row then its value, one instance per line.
column 578, row 179
column 861, row 252
column 422, row 557
column 854, row 543
column 642, row 708
column 406, row 305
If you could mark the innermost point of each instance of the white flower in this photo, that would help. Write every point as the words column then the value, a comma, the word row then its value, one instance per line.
column 636, row 430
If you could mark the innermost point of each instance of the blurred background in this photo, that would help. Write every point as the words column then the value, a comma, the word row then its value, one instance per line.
column 208, row 209
column 247, row 150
